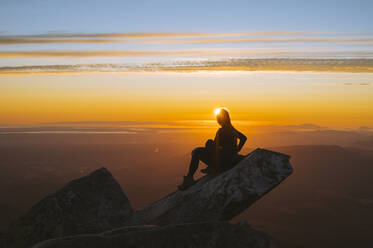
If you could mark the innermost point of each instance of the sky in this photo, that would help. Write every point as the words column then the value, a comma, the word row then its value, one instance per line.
column 331, row 99
column 269, row 62
column 161, row 34
column 137, row 34
column 42, row 16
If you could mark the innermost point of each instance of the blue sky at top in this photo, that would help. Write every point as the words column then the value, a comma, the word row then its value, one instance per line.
column 72, row 16
column 346, row 23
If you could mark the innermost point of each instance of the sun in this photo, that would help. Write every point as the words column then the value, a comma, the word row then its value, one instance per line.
column 217, row 111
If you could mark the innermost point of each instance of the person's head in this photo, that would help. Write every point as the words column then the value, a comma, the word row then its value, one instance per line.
column 223, row 118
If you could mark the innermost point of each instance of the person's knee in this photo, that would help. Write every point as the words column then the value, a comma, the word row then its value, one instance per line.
column 197, row 152
column 209, row 144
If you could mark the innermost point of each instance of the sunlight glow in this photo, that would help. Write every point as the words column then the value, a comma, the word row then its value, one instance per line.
column 278, row 98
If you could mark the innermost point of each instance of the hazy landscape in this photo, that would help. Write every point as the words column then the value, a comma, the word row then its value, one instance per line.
column 327, row 202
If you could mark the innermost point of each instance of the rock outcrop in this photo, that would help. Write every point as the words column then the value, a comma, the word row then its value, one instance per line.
column 196, row 235
column 91, row 204
column 224, row 196
column 93, row 211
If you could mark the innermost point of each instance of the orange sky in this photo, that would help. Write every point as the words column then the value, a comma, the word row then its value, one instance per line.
column 330, row 99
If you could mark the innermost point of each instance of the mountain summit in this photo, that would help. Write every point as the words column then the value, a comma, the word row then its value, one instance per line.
column 93, row 211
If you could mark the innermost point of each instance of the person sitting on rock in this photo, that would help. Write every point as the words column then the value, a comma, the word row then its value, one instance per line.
column 219, row 154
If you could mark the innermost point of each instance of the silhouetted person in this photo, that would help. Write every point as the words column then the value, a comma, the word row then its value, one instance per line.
column 219, row 154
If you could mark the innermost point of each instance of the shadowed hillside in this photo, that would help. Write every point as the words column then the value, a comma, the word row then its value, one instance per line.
column 327, row 202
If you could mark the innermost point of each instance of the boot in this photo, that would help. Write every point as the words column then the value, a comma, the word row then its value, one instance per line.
column 187, row 182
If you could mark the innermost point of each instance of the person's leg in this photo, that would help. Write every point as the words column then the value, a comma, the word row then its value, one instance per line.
column 188, row 179
column 209, row 158
column 196, row 156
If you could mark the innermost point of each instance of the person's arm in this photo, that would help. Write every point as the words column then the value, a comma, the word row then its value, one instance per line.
column 242, row 139
column 216, row 139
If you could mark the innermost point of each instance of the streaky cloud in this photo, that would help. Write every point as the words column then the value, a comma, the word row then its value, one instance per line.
column 183, row 52
column 135, row 53
column 96, row 40
column 266, row 40
column 279, row 64
column 145, row 35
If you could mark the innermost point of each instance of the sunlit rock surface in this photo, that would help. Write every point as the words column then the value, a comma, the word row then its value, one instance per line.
column 90, row 204
column 196, row 235
column 224, row 196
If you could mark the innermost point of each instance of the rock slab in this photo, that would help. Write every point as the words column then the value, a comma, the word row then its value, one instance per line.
column 220, row 198
column 90, row 204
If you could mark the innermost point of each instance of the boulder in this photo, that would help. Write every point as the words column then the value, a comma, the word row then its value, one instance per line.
column 218, row 198
column 196, row 235
column 90, row 204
